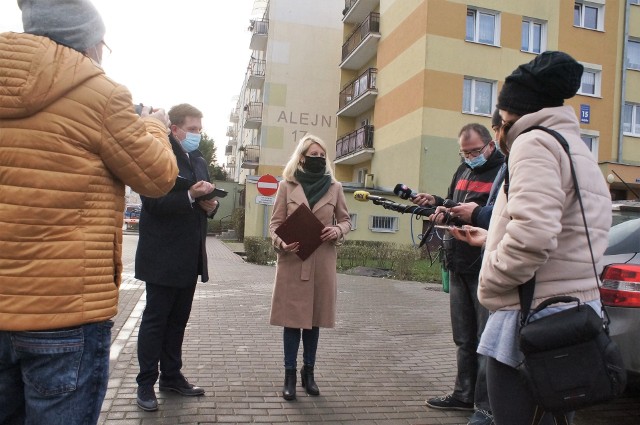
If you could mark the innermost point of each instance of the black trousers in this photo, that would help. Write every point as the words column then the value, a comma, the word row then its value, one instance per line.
column 161, row 332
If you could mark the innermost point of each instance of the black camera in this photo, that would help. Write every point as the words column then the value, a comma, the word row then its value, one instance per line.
column 139, row 107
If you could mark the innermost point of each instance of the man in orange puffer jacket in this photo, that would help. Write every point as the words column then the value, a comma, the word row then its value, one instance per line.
column 69, row 142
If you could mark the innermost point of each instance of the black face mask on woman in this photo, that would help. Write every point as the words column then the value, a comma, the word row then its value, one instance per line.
column 314, row 164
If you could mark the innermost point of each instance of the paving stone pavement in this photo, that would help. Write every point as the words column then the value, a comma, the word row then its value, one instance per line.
column 391, row 349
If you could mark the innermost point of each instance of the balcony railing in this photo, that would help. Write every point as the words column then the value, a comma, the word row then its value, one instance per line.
column 355, row 142
column 231, row 131
column 369, row 27
column 256, row 73
column 355, row 10
column 233, row 116
column 228, row 150
column 361, row 87
column 253, row 115
column 250, row 156
column 259, row 29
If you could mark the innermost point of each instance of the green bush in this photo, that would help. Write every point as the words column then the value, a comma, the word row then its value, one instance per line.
column 259, row 250
column 404, row 262
column 237, row 220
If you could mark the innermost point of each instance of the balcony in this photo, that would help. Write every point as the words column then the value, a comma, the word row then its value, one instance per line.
column 259, row 29
column 362, row 44
column 228, row 150
column 359, row 95
column 231, row 171
column 253, row 115
column 234, row 117
column 250, row 157
column 356, row 10
column 255, row 79
column 232, row 142
column 355, row 147
column 231, row 131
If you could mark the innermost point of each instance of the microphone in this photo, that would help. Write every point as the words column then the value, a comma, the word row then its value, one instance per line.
column 364, row 196
column 404, row 192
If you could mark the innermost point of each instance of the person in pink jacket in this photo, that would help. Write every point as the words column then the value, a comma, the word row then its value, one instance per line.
column 304, row 294
column 538, row 228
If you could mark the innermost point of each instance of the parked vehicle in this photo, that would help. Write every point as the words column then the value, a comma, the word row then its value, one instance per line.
column 132, row 216
column 620, row 288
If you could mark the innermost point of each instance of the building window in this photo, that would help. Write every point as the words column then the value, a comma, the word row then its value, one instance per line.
column 588, row 15
column 362, row 173
column 379, row 223
column 354, row 221
column 478, row 96
column 592, row 143
column 591, row 82
column 633, row 54
column 631, row 119
column 534, row 35
column 483, row 26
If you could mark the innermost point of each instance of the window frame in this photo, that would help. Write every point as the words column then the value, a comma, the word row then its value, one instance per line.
column 393, row 221
column 597, row 84
column 595, row 141
column 543, row 34
column 354, row 220
column 476, row 26
column 635, row 118
column 472, row 102
column 635, row 41
column 593, row 5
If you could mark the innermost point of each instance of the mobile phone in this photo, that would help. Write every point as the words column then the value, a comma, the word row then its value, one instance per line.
column 217, row 193
column 448, row 227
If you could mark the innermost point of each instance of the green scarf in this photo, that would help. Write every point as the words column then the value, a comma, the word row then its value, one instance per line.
column 315, row 185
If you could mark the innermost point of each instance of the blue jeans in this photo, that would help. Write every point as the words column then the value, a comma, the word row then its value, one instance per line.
column 56, row 377
column 291, row 339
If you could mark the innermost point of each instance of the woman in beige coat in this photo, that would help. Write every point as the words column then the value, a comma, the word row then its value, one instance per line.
column 304, row 295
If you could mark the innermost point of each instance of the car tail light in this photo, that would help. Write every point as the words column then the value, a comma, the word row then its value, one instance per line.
column 621, row 285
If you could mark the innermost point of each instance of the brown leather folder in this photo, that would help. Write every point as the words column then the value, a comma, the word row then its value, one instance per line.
column 304, row 227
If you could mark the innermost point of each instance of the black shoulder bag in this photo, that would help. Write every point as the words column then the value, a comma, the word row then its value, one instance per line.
column 570, row 362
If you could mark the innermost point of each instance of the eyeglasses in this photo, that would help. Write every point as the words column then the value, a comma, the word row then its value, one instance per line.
column 472, row 153
column 105, row 45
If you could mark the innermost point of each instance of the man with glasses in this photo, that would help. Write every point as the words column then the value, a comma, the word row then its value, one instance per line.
column 471, row 183
column 171, row 255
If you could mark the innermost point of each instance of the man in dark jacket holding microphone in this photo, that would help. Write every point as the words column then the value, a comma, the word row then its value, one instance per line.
column 471, row 182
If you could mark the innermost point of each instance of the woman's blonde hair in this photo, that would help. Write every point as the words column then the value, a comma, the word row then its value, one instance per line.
column 295, row 162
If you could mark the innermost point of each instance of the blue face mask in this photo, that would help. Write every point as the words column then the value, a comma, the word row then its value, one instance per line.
column 476, row 162
column 191, row 142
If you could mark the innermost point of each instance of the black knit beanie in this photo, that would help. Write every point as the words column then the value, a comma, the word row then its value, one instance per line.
column 544, row 82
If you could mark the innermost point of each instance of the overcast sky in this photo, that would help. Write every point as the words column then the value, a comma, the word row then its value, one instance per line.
column 168, row 52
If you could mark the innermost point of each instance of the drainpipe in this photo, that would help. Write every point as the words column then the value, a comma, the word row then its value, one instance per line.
column 623, row 80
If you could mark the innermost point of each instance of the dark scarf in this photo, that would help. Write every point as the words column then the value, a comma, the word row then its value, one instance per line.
column 315, row 185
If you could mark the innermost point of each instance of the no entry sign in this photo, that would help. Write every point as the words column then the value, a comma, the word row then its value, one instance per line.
column 267, row 185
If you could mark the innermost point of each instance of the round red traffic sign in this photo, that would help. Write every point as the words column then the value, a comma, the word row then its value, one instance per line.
column 267, row 185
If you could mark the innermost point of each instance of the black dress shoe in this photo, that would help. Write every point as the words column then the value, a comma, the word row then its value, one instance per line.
column 147, row 398
column 180, row 385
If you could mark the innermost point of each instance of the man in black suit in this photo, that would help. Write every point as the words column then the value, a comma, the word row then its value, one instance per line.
column 171, row 254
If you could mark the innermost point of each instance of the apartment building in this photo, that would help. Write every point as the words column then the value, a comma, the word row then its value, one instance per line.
column 289, row 91
column 411, row 73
